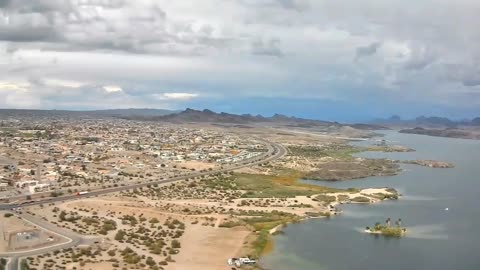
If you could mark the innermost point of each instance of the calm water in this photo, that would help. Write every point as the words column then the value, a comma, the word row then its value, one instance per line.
column 437, row 239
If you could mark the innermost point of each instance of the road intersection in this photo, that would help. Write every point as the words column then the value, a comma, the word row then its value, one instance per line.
column 72, row 239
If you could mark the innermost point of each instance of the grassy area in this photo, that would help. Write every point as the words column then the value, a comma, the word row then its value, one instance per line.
column 340, row 151
column 388, row 231
column 353, row 169
column 326, row 199
column 342, row 165
column 262, row 224
column 361, row 199
column 284, row 185
column 392, row 231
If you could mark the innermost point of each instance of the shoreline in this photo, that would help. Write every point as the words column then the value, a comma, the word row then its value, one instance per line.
column 333, row 211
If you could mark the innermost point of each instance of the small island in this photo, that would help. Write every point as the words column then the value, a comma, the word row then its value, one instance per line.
column 383, row 147
column 430, row 163
column 387, row 229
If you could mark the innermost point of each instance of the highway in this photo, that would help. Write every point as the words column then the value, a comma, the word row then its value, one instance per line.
column 275, row 151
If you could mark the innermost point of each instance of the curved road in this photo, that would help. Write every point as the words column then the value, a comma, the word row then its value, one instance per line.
column 275, row 151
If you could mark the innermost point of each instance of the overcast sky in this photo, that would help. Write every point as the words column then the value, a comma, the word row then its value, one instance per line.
column 338, row 59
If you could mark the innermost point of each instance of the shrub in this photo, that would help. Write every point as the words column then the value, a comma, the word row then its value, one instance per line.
column 361, row 199
column 175, row 244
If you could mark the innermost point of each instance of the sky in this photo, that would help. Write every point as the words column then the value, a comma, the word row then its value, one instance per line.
column 343, row 60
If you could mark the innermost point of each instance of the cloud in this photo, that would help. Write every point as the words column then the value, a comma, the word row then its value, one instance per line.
column 64, row 83
column 175, row 96
column 13, row 86
column 367, row 50
column 471, row 82
column 63, row 53
column 112, row 88
column 269, row 48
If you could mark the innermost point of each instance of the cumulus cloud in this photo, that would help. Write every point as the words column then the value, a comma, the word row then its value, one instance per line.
column 112, row 88
column 175, row 96
column 71, row 53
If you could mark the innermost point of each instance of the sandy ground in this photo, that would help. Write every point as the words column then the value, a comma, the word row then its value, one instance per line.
column 204, row 245
column 197, row 165
column 10, row 225
column 208, row 248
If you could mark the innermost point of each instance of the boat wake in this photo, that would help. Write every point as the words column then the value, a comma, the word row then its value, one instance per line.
column 431, row 231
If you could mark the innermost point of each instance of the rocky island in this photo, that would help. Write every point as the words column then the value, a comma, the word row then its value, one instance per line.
column 387, row 229
column 429, row 163
column 462, row 133
column 390, row 148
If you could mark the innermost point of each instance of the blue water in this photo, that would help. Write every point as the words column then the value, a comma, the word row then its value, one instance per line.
column 437, row 239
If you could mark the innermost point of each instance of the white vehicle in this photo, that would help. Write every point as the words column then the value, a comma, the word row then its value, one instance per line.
column 82, row 193
column 247, row 261
column 238, row 262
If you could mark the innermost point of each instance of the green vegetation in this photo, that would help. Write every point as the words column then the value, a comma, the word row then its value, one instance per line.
column 261, row 242
column 120, row 235
column 388, row 230
column 360, row 199
column 263, row 222
column 89, row 220
column 3, row 263
column 335, row 150
column 231, row 224
column 154, row 221
column 56, row 194
column 326, row 199
column 130, row 256
column 24, row 265
column 353, row 169
column 7, row 215
column 385, row 196
column 392, row 231
column 341, row 165
column 108, row 225
column 284, row 185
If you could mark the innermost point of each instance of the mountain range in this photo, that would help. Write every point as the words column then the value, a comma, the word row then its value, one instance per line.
column 191, row 115
column 424, row 121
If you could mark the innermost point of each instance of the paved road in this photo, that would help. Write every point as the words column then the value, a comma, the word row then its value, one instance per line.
column 275, row 151
column 68, row 239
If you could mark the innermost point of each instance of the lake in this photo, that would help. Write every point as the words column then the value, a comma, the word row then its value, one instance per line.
column 437, row 238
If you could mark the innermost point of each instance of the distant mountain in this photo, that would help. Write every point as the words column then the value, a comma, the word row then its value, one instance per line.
column 434, row 120
column 446, row 132
column 423, row 121
column 208, row 116
column 476, row 121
